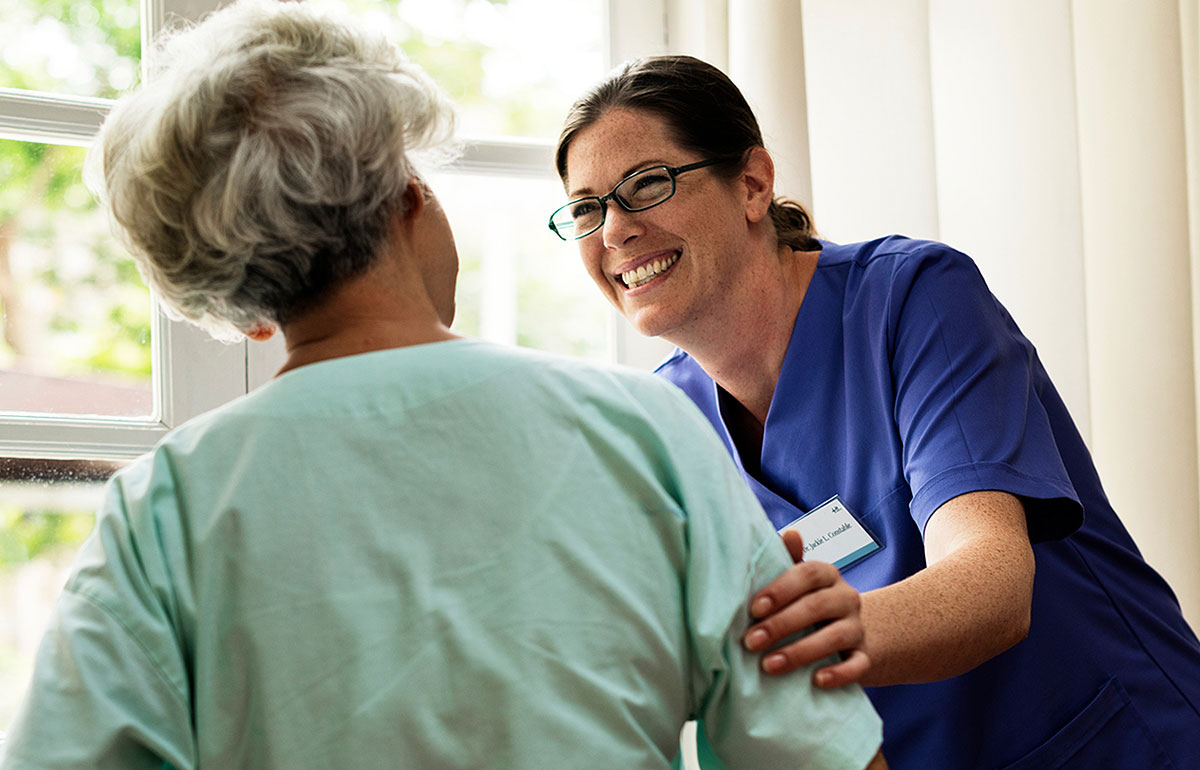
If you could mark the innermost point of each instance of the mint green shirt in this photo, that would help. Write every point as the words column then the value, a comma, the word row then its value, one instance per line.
column 453, row 555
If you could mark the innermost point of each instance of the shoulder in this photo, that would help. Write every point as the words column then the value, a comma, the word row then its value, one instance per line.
column 882, row 278
column 594, row 377
column 891, row 256
column 596, row 393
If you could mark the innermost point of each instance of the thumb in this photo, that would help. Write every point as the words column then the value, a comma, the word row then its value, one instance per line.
column 795, row 545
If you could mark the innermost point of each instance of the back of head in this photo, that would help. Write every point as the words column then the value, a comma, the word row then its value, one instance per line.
column 260, row 163
column 705, row 113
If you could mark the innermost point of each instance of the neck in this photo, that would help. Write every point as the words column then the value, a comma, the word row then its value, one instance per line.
column 353, row 339
column 742, row 347
column 379, row 310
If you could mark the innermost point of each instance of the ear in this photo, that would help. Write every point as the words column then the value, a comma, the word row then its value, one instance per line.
column 260, row 332
column 414, row 197
column 758, row 178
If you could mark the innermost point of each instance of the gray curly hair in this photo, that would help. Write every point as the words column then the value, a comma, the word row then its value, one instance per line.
column 261, row 162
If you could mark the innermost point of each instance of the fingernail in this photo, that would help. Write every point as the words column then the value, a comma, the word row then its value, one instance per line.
column 822, row 679
column 756, row 638
column 761, row 606
column 773, row 663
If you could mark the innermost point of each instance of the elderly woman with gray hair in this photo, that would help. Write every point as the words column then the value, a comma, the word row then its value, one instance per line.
column 289, row 581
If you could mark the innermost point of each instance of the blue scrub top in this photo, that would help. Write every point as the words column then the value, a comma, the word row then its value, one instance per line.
column 906, row 384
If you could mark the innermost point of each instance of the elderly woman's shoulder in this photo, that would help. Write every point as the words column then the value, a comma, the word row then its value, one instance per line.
column 578, row 380
column 572, row 368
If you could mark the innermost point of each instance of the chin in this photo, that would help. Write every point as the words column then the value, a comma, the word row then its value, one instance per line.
column 649, row 323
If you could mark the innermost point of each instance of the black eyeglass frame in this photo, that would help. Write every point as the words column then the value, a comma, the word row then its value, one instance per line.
column 672, row 171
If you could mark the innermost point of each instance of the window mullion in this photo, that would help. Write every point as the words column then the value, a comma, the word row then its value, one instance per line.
column 506, row 157
column 34, row 116
column 158, row 13
column 193, row 372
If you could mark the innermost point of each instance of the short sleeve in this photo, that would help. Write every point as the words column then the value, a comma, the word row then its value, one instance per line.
column 968, row 405
column 751, row 720
column 110, row 684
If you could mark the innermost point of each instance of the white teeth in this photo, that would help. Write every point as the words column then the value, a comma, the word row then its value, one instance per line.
column 649, row 271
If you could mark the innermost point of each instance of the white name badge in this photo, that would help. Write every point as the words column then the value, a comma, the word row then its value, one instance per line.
column 832, row 534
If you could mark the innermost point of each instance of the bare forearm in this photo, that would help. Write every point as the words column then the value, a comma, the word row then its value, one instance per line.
column 950, row 617
column 970, row 604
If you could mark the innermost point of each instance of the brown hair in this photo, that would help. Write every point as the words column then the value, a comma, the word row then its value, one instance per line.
column 706, row 114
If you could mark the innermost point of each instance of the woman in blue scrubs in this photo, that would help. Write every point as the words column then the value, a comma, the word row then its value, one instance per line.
column 881, row 388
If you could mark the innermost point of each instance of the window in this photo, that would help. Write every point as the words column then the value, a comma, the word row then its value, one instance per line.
column 88, row 368
column 92, row 374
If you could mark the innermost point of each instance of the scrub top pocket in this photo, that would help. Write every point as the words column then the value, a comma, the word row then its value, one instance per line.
column 1108, row 732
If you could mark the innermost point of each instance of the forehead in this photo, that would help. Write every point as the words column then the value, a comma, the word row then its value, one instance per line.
column 604, row 152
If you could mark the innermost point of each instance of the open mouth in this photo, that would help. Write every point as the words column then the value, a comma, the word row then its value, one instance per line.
column 646, row 273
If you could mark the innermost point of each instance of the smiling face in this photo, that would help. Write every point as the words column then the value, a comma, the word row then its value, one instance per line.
column 671, row 266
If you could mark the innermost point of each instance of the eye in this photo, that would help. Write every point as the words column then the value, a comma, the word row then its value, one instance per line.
column 651, row 178
column 585, row 208
column 648, row 187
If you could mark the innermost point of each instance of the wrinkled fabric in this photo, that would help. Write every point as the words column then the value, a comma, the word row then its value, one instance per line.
column 446, row 556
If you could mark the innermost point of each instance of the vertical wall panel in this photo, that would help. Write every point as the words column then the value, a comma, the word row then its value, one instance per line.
column 870, row 118
column 766, row 60
column 635, row 28
column 1132, row 163
column 1189, row 19
column 700, row 28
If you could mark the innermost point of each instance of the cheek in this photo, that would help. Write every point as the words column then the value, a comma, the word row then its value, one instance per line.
column 591, row 258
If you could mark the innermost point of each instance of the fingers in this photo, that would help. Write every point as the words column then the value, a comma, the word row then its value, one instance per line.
column 793, row 583
column 808, row 595
column 851, row 670
column 844, row 635
column 838, row 609
column 795, row 545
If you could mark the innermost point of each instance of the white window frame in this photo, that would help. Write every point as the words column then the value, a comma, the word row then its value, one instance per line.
column 193, row 373
column 184, row 386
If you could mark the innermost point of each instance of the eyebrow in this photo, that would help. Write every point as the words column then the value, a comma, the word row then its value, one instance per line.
column 586, row 192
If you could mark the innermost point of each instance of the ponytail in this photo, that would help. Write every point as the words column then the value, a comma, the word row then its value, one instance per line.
column 793, row 225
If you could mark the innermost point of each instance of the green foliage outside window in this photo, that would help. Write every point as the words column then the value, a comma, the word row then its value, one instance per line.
column 70, row 301
column 28, row 535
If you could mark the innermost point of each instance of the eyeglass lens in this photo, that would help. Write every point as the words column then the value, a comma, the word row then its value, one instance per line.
column 637, row 192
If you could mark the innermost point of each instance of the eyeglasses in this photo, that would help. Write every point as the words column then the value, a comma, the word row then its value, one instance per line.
column 639, row 191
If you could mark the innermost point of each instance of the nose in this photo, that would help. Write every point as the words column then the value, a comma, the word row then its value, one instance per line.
column 620, row 226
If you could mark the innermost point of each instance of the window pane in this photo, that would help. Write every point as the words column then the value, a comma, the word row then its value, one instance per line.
column 74, row 313
column 512, row 66
column 46, row 512
column 77, row 47
column 518, row 283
